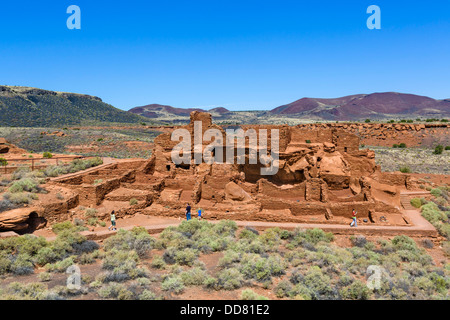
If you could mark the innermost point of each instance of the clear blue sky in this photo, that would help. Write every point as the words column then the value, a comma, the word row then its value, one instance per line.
column 236, row 54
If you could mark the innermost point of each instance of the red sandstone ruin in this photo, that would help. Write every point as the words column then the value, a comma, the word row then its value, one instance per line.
column 323, row 175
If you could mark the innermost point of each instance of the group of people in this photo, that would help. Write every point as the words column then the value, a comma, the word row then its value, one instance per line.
column 188, row 213
column 199, row 216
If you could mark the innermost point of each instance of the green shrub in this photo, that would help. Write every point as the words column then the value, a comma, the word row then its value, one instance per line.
column 318, row 283
column 262, row 269
column 26, row 184
column 416, row 202
column 47, row 155
column 158, row 262
column 447, row 148
column 356, row 291
column 115, row 291
column 3, row 162
column 438, row 149
column 133, row 202
column 45, row 276
column 402, row 145
column 405, row 169
column 436, row 192
column 229, row 279
column 60, row 266
column 283, row 289
column 173, row 284
column 194, row 277
column 137, row 239
column 249, row 294
column 147, row 295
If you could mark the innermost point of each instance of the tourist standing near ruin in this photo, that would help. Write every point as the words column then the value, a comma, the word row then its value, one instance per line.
column 199, row 214
column 354, row 223
column 188, row 212
column 113, row 221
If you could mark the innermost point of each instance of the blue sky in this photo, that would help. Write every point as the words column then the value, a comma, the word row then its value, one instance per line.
column 235, row 54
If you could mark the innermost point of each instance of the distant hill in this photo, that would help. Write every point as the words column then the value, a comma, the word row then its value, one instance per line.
column 32, row 107
column 362, row 106
column 163, row 112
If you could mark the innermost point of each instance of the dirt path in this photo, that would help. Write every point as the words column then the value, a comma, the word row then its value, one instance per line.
column 419, row 228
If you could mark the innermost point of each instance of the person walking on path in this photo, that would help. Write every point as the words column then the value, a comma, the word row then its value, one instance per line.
column 113, row 221
column 188, row 212
column 354, row 223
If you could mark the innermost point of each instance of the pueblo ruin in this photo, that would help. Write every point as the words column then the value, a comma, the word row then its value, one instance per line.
column 323, row 175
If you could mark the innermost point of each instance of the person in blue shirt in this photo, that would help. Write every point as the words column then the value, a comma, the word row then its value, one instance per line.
column 188, row 212
column 199, row 214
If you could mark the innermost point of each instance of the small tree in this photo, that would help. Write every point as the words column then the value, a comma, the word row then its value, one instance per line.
column 3, row 162
column 439, row 149
column 47, row 155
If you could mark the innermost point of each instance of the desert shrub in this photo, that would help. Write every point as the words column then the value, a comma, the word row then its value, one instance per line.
column 262, row 269
column 29, row 291
column 158, row 262
column 445, row 248
column 14, row 200
column 358, row 241
column 26, row 184
column 46, row 255
column 173, row 284
column 249, row 294
column 90, row 213
column 85, row 246
column 271, row 237
column 309, row 238
column 3, row 162
column 147, row 295
column 47, row 155
column 402, row 145
column 403, row 242
column 97, row 182
column 229, row 279
column 137, row 239
column 416, row 202
column 447, row 148
column 405, row 169
column 438, row 149
column 117, row 258
column 74, row 166
column 121, row 266
column 22, row 264
column 133, row 202
column 115, row 291
column 60, row 266
column 436, row 192
column 230, row 257
column 248, row 233
column 194, row 277
column 45, row 276
column 283, row 289
column 66, row 225
column 427, row 243
column 356, row 291
column 431, row 212
column 296, row 276
column 318, row 283
column 186, row 256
